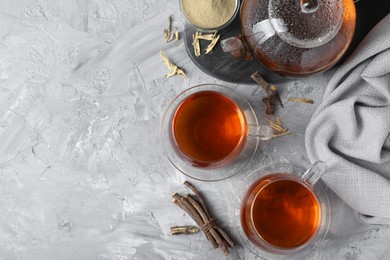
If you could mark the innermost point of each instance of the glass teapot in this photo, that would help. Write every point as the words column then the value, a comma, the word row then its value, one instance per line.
column 298, row 37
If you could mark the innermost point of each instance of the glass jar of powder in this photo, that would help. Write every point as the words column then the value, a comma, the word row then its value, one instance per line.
column 209, row 15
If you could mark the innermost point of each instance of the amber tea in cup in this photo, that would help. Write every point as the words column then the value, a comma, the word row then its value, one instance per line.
column 280, row 212
column 209, row 132
column 209, row 127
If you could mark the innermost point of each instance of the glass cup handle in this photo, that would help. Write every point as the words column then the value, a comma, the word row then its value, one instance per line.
column 314, row 173
column 262, row 132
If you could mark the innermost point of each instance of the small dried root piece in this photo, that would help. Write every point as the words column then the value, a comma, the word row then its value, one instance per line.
column 302, row 100
column 167, row 31
column 195, row 207
column 196, row 43
column 206, row 37
column 196, row 37
column 169, row 35
column 177, row 36
column 273, row 96
column 212, row 44
column 276, row 125
column 173, row 69
column 184, row 230
column 281, row 134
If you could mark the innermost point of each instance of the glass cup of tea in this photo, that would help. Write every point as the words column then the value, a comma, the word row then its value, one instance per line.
column 283, row 211
column 209, row 132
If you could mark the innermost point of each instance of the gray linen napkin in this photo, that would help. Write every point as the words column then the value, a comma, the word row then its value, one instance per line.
column 350, row 129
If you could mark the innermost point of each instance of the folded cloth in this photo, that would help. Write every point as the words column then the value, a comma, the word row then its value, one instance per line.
column 350, row 129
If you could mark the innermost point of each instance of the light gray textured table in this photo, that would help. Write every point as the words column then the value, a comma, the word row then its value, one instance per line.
column 83, row 175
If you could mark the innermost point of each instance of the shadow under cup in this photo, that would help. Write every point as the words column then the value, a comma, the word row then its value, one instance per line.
column 210, row 132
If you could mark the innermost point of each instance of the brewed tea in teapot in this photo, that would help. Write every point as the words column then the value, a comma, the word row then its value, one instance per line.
column 298, row 37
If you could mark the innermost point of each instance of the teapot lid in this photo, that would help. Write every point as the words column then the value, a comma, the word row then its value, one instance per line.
column 306, row 23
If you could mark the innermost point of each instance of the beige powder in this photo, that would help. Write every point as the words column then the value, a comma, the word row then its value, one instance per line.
column 208, row 14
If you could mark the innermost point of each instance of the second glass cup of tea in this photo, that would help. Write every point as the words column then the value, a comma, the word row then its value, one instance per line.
column 209, row 132
column 284, row 211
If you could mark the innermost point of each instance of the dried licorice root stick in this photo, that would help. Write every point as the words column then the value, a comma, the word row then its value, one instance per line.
column 209, row 225
column 273, row 96
column 178, row 200
column 184, row 230
column 203, row 204
column 195, row 207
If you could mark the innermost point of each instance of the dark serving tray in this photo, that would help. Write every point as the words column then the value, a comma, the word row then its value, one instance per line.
column 223, row 66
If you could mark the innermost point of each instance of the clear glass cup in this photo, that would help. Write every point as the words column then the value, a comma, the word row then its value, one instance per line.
column 234, row 160
column 285, row 194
